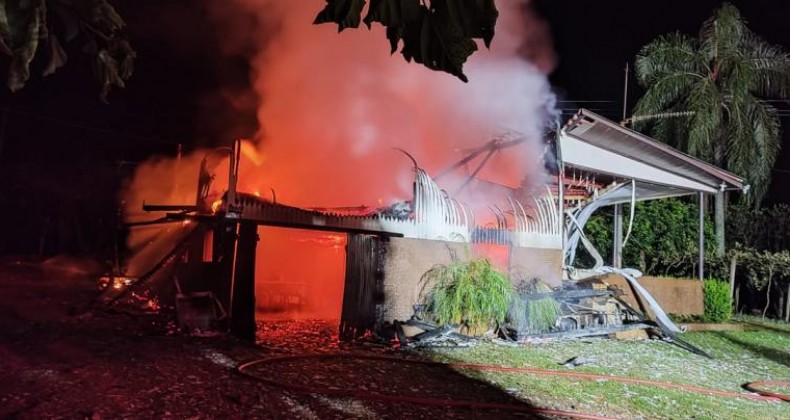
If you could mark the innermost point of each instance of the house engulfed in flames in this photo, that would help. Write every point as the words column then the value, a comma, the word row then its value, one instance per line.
column 593, row 163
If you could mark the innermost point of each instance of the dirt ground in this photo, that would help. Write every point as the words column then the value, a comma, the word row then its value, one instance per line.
column 60, row 358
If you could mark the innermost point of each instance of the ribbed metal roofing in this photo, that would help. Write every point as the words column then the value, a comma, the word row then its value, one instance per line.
column 594, row 143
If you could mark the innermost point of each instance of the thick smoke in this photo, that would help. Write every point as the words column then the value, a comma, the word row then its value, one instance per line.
column 335, row 105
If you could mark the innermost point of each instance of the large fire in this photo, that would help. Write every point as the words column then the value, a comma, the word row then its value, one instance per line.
column 332, row 109
column 299, row 273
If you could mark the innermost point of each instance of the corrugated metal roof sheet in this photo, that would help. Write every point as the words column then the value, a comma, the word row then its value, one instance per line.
column 654, row 161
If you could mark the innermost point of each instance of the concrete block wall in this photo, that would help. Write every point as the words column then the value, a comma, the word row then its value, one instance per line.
column 676, row 296
column 544, row 264
column 408, row 259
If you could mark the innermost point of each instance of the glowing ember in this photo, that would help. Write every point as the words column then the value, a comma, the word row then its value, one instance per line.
column 215, row 206
column 153, row 304
column 116, row 283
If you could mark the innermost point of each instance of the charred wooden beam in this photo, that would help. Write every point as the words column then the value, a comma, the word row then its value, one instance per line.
column 329, row 228
column 170, row 207
column 159, row 221
column 242, row 315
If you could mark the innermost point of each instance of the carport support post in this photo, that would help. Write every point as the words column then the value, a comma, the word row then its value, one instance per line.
column 701, row 233
column 242, row 313
column 617, row 246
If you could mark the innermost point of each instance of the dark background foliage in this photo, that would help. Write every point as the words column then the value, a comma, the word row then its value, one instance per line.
column 664, row 238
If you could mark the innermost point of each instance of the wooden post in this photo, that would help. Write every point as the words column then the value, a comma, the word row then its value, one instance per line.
column 242, row 316
column 364, row 254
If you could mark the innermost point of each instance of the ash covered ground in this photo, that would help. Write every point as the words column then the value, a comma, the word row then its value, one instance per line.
column 61, row 358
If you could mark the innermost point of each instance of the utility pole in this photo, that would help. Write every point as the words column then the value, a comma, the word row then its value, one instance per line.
column 625, row 93
column 617, row 246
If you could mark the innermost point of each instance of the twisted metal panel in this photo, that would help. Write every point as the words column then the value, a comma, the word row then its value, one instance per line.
column 435, row 215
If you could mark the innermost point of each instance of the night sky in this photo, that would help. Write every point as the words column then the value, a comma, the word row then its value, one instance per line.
column 186, row 89
column 594, row 40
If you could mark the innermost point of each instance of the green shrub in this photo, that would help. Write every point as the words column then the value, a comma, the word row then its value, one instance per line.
column 468, row 292
column 718, row 302
column 533, row 315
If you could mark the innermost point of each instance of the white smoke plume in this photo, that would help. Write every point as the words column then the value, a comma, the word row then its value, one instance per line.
column 335, row 105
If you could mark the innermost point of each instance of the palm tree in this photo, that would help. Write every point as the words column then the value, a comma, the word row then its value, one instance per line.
column 705, row 95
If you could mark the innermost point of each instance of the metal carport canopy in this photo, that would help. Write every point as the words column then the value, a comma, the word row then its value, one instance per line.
column 596, row 144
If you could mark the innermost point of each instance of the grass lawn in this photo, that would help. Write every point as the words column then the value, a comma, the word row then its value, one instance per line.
column 738, row 357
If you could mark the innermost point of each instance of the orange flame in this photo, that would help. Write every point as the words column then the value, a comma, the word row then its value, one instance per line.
column 216, row 205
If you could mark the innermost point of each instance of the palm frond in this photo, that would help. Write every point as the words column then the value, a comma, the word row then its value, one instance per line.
column 730, row 125
column 723, row 33
column 703, row 134
column 670, row 54
column 737, row 126
column 772, row 68
column 666, row 92
column 736, row 77
column 753, row 144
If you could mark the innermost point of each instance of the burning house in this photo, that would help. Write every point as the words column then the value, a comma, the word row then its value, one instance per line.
column 240, row 255
column 244, row 246
column 277, row 229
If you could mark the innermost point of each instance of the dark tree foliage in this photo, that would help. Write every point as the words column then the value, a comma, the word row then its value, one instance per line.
column 26, row 26
column 438, row 34
column 704, row 95
column 763, row 229
column 664, row 237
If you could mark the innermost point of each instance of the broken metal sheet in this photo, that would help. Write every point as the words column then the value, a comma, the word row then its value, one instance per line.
column 662, row 319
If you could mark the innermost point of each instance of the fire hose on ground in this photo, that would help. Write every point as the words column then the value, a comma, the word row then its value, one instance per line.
column 244, row 369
